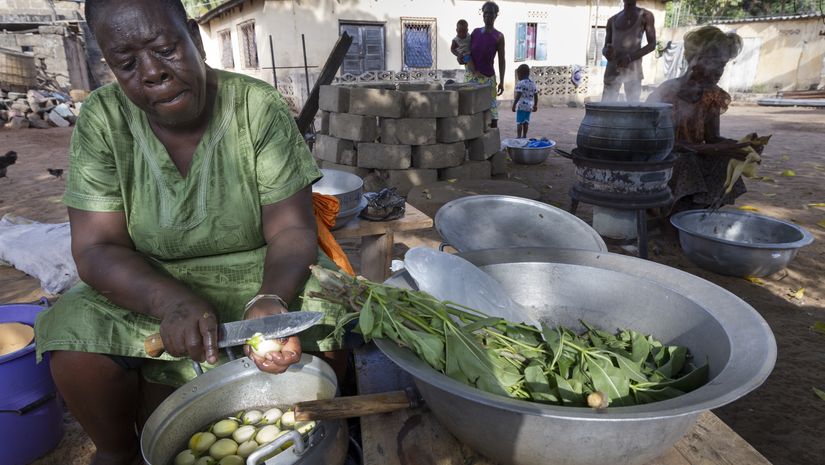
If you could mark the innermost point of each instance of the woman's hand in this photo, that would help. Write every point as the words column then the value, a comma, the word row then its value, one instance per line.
column 274, row 362
column 189, row 328
column 725, row 148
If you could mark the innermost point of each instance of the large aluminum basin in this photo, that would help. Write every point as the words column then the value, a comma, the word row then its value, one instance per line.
column 561, row 286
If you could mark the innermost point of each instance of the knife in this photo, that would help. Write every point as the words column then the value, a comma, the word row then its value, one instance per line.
column 237, row 332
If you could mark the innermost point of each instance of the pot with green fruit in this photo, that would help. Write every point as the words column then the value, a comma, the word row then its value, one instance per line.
column 236, row 413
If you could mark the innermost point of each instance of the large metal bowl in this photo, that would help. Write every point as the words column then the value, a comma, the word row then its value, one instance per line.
column 501, row 221
column 529, row 155
column 739, row 243
column 608, row 290
column 237, row 386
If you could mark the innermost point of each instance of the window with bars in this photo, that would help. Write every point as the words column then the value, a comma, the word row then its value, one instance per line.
column 594, row 51
column 418, row 43
column 249, row 47
column 227, row 59
column 531, row 42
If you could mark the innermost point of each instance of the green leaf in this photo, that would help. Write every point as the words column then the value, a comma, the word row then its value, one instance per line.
column 687, row 383
column 609, row 380
column 553, row 339
column 366, row 320
column 641, row 347
column 675, row 361
column 646, row 396
column 539, row 386
column 630, row 369
column 820, row 393
column 482, row 323
column 430, row 348
column 819, row 326
column 570, row 393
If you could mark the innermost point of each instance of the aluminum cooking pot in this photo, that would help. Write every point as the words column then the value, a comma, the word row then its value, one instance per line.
column 560, row 287
column 239, row 385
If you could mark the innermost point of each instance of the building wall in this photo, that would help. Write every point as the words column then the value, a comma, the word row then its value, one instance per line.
column 790, row 56
column 568, row 21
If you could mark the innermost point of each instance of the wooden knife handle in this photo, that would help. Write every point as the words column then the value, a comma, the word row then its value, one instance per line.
column 153, row 345
column 355, row 406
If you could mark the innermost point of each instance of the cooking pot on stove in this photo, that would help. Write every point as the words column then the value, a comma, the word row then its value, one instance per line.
column 239, row 385
column 622, row 131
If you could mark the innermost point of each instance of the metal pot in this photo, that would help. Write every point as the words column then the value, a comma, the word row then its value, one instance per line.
column 608, row 290
column 239, row 385
column 618, row 131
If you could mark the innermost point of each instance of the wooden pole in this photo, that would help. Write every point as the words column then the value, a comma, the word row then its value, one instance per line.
column 272, row 58
column 336, row 57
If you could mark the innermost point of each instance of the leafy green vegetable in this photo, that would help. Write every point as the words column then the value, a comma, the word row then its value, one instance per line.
column 554, row 365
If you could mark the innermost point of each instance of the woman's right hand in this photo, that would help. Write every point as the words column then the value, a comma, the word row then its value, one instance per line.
column 189, row 328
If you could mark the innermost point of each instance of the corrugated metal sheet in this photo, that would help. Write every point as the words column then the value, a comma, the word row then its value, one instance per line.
column 761, row 19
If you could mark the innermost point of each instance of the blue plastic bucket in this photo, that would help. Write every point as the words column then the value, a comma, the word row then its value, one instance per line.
column 31, row 417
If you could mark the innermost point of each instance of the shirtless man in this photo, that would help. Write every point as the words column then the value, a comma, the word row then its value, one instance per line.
column 623, row 50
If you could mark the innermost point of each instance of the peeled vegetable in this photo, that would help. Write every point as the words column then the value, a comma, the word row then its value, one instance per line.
column 251, row 417
column 225, row 428
column 597, row 400
column 244, row 433
column 231, row 460
column 222, row 448
column 267, row 434
column 231, row 440
column 261, row 346
column 185, row 458
column 288, row 419
column 201, row 442
column 247, row 448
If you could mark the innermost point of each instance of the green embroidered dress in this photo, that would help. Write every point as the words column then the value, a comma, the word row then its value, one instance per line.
column 203, row 229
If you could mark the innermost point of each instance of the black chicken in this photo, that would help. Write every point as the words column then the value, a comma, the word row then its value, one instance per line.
column 56, row 172
column 7, row 160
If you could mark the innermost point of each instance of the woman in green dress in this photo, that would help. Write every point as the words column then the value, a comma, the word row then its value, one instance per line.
column 189, row 194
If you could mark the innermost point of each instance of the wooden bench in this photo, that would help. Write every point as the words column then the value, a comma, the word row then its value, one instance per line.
column 377, row 238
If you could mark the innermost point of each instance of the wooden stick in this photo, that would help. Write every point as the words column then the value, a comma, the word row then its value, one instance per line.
column 355, row 406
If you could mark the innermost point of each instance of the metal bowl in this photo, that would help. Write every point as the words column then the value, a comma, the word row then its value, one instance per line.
column 501, row 221
column 609, row 290
column 345, row 217
column 530, row 156
column 240, row 385
column 739, row 243
column 347, row 187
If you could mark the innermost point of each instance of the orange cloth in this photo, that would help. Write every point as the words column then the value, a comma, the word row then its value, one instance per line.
column 326, row 209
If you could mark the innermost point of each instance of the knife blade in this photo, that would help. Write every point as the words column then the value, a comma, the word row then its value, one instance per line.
column 237, row 332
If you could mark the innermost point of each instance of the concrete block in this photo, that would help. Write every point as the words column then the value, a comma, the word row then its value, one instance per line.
column 324, row 122
column 485, row 146
column 421, row 85
column 362, row 172
column 384, row 156
column 35, row 121
column 438, row 155
column 460, row 128
column 336, row 150
column 334, row 98
column 383, row 85
column 469, row 170
column 488, row 119
column 472, row 98
column 409, row 131
column 21, row 106
column 57, row 120
column 17, row 122
column 404, row 180
column 15, row 95
column 353, row 127
column 431, row 104
column 376, row 102
column 498, row 163
column 373, row 182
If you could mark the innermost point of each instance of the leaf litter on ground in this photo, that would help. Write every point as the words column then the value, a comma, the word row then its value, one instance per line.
column 555, row 365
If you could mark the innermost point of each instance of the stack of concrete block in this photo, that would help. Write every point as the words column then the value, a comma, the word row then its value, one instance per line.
column 408, row 134
column 36, row 109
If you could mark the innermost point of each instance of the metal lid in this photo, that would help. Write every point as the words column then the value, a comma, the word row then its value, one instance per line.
column 482, row 222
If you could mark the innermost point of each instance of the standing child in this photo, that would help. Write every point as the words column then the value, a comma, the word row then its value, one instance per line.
column 525, row 101
column 461, row 46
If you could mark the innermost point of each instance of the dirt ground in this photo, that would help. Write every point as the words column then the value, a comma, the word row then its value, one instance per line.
column 782, row 419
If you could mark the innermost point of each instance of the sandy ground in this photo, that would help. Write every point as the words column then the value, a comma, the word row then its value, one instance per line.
column 782, row 419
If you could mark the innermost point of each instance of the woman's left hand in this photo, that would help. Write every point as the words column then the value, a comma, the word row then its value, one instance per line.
column 274, row 362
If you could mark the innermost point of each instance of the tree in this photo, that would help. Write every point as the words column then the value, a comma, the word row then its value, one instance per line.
column 195, row 8
column 691, row 12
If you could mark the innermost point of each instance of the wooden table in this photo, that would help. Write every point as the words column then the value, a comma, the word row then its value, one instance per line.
column 415, row 437
column 377, row 238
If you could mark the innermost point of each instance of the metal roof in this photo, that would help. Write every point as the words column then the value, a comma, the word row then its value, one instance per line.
column 209, row 15
column 757, row 19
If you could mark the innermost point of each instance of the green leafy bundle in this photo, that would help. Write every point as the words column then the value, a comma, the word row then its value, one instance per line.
column 512, row 359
